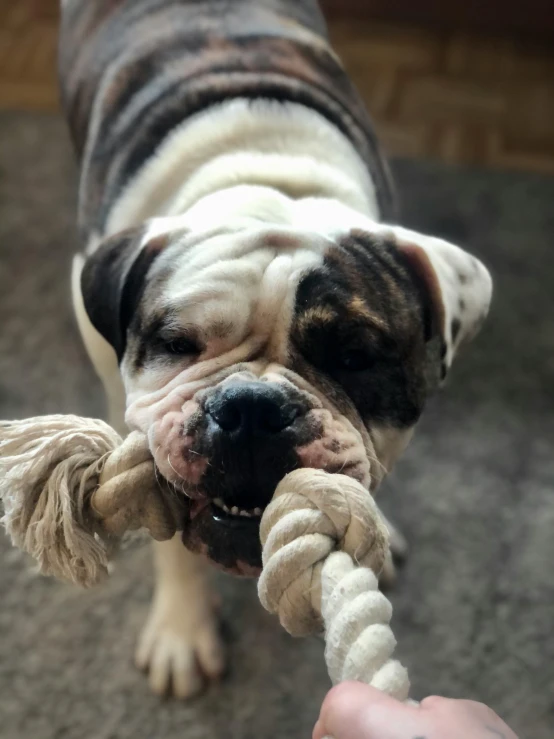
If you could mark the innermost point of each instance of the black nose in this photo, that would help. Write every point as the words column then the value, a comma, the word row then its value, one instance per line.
column 252, row 407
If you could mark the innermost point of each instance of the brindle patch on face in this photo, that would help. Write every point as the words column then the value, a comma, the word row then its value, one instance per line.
column 321, row 315
column 371, row 354
column 358, row 308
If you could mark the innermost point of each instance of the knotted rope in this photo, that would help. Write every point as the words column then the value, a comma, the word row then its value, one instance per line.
column 323, row 541
column 71, row 488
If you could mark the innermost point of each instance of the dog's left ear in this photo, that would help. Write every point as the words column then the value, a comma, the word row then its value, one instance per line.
column 113, row 280
column 457, row 284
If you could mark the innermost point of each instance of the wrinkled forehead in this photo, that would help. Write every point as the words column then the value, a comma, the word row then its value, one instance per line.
column 229, row 276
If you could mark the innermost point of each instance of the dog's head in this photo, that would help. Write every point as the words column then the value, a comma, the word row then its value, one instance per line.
column 249, row 352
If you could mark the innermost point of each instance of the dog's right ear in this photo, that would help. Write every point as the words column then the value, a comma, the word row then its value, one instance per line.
column 113, row 280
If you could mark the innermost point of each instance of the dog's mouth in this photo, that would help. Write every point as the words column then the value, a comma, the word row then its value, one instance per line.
column 227, row 535
column 231, row 473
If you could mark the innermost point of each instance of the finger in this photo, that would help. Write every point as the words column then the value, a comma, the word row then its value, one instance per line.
column 358, row 711
column 464, row 712
column 319, row 731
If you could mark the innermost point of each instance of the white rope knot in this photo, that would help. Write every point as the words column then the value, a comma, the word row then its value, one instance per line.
column 71, row 487
column 312, row 514
column 311, row 586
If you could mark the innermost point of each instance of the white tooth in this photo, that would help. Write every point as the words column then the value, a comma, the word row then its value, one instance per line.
column 244, row 513
column 225, row 508
column 235, row 510
column 219, row 503
column 257, row 511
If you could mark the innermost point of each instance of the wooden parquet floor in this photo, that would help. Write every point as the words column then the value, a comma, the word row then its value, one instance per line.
column 457, row 98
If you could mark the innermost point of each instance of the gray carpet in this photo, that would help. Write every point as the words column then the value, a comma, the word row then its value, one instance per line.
column 474, row 606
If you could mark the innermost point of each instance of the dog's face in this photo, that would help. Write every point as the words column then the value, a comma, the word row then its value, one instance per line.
column 247, row 353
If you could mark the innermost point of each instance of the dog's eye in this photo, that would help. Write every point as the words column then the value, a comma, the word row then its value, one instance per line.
column 181, row 346
column 355, row 360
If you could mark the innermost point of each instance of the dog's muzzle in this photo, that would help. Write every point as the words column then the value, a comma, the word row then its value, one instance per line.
column 227, row 446
column 252, row 430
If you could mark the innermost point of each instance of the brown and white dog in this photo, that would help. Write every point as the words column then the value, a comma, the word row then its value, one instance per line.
column 241, row 293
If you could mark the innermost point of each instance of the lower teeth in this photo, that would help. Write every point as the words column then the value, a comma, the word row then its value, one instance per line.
column 236, row 511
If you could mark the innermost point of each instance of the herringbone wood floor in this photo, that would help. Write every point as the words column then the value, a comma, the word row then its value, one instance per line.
column 462, row 99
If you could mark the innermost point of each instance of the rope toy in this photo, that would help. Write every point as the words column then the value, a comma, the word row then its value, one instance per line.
column 323, row 541
column 71, row 488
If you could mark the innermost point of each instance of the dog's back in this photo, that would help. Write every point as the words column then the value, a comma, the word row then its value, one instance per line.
column 133, row 70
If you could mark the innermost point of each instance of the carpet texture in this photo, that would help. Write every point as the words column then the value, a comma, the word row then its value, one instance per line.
column 474, row 605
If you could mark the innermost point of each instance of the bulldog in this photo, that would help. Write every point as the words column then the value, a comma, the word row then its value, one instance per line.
column 243, row 289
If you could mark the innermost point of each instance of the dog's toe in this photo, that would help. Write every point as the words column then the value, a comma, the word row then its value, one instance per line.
column 209, row 652
column 179, row 654
column 187, row 679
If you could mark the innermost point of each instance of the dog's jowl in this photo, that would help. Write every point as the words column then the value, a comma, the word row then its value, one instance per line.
column 242, row 288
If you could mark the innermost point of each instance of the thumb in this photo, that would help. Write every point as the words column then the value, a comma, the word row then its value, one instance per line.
column 356, row 711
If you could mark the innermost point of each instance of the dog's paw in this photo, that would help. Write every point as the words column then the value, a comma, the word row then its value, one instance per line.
column 180, row 647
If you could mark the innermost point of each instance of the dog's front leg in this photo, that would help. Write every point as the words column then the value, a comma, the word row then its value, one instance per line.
column 180, row 644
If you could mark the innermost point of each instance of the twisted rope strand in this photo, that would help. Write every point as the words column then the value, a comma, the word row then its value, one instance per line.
column 71, row 487
column 312, row 587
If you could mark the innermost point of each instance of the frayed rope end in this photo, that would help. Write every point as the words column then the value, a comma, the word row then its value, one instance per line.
column 49, row 468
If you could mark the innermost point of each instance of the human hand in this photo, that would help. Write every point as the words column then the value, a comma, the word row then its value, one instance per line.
column 358, row 711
